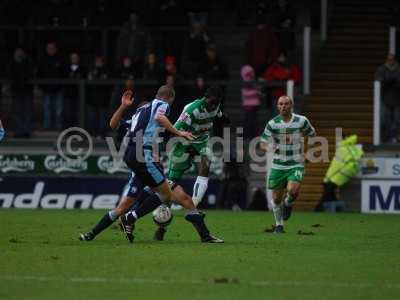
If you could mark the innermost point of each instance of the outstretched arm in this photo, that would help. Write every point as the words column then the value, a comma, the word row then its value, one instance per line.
column 164, row 122
column 126, row 101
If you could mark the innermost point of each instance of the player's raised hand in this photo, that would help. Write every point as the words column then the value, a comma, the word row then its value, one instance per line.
column 187, row 135
column 127, row 98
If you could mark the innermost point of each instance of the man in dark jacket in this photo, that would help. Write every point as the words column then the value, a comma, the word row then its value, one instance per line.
column 98, row 100
column 389, row 76
column 74, row 71
column 53, row 101
column 20, row 72
column 212, row 67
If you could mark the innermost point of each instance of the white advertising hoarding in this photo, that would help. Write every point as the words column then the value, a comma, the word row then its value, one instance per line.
column 380, row 196
column 380, row 167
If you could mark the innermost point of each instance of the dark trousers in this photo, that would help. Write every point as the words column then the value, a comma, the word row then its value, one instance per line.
column 250, row 123
column 97, row 120
column 23, row 111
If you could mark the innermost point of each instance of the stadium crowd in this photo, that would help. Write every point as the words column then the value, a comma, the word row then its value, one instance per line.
column 139, row 49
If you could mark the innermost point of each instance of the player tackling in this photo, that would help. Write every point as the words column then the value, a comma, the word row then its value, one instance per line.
column 284, row 135
column 198, row 118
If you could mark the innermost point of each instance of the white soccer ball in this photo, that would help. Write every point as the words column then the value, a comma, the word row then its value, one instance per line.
column 162, row 215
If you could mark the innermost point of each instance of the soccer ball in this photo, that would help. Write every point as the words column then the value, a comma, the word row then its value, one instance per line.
column 162, row 215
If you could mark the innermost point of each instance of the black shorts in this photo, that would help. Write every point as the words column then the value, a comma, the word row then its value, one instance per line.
column 147, row 171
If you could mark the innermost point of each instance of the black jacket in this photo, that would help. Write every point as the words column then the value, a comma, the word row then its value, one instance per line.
column 19, row 74
column 51, row 67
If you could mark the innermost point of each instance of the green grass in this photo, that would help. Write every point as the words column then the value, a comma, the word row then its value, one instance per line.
column 350, row 256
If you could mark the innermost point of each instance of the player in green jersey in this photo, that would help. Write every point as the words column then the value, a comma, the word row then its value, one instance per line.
column 198, row 118
column 284, row 135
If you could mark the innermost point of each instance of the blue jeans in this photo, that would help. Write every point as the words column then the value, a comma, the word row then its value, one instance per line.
column 53, row 104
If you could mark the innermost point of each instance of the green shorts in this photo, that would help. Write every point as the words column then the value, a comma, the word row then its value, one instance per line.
column 182, row 156
column 278, row 179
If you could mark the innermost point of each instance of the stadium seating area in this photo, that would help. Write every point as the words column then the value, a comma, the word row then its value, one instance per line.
column 148, row 43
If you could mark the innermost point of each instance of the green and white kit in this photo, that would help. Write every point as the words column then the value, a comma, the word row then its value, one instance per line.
column 286, row 138
column 196, row 119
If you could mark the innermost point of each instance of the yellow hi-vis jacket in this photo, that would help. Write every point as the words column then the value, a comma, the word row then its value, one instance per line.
column 346, row 162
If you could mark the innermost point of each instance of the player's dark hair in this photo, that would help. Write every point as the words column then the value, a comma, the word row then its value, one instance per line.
column 214, row 91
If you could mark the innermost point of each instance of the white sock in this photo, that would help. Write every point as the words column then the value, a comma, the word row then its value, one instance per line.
column 277, row 209
column 199, row 189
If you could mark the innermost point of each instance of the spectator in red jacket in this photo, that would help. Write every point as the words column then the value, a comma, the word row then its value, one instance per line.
column 281, row 70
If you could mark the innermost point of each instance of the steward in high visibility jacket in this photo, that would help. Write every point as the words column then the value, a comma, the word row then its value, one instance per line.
column 346, row 162
column 343, row 167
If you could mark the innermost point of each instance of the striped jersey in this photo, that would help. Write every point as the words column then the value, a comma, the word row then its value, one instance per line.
column 196, row 119
column 143, row 121
column 287, row 139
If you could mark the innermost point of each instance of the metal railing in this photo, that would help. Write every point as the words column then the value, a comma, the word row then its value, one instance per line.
column 83, row 84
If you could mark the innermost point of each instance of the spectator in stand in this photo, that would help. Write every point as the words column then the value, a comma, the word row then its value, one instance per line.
column 170, row 67
column 51, row 67
column 180, row 96
column 98, row 100
column 199, row 88
column 133, row 42
column 194, row 48
column 262, row 46
column 197, row 11
column 280, row 70
column 389, row 76
column 99, row 69
column 170, row 80
column 212, row 67
column 74, row 71
column 20, row 72
column 117, row 93
column 285, row 17
column 171, row 13
column 250, row 101
column 152, row 69
column 126, row 69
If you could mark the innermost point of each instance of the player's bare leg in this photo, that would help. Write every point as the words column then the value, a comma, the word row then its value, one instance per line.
column 164, row 191
column 277, row 209
column 293, row 190
column 109, row 218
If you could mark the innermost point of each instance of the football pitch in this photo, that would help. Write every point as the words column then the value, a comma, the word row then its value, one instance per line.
column 321, row 256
